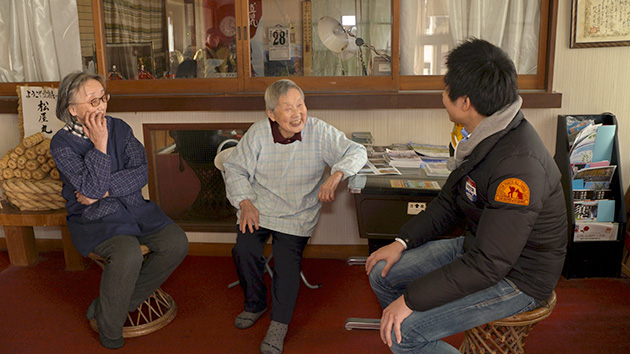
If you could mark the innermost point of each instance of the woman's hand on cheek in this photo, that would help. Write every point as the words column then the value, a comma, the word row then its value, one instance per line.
column 96, row 129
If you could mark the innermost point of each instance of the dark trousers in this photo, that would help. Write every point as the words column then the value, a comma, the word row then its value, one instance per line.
column 250, row 266
column 128, row 279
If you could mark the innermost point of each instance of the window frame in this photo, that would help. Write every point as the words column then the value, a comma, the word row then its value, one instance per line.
column 374, row 92
column 546, row 50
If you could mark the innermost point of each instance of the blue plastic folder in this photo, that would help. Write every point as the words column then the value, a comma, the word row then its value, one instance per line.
column 604, row 143
column 606, row 211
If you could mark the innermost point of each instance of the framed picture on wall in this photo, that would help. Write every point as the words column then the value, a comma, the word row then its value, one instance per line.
column 600, row 23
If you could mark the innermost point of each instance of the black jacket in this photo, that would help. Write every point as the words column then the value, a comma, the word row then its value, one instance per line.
column 515, row 218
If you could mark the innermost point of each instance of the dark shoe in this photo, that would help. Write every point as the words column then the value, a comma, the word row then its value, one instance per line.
column 111, row 343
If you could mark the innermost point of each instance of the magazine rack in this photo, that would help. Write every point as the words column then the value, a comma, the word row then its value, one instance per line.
column 591, row 258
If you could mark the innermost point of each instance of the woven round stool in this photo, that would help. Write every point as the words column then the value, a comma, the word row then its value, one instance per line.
column 507, row 335
column 153, row 314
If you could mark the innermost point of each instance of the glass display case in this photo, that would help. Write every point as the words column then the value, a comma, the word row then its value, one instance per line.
column 183, row 180
column 320, row 38
column 285, row 38
column 210, row 47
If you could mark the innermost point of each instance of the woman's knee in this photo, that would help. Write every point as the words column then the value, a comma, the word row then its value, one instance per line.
column 171, row 241
column 180, row 242
column 239, row 250
column 126, row 253
column 246, row 247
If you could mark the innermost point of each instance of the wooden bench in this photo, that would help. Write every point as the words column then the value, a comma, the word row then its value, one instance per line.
column 20, row 237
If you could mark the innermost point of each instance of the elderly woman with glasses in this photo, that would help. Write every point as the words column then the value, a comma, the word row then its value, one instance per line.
column 103, row 168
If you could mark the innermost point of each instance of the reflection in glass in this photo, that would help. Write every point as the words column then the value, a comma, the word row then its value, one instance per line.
column 134, row 38
column 320, row 38
column 188, row 187
column 430, row 28
column 170, row 39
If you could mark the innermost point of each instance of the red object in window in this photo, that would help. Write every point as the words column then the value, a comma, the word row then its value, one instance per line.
column 143, row 74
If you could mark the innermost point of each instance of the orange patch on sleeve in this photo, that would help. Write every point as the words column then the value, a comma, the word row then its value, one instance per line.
column 513, row 191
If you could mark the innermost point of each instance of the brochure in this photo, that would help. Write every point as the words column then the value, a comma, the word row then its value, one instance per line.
column 595, row 231
column 378, row 166
column 595, row 210
column 436, row 169
column 414, row 184
column 430, row 150
column 582, row 149
column 594, row 178
column 587, row 194
column 403, row 158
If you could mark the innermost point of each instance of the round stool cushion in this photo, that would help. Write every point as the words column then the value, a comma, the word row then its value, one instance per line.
column 153, row 314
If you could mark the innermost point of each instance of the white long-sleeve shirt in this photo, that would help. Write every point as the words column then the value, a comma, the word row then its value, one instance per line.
column 282, row 180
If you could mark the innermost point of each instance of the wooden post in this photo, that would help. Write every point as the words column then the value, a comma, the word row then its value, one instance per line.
column 21, row 245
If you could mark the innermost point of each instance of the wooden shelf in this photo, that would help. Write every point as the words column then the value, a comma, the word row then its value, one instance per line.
column 324, row 101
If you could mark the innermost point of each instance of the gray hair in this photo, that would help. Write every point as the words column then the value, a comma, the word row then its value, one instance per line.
column 278, row 89
column 68, row 88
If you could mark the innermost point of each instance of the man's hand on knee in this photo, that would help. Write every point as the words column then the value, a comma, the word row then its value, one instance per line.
column 393, row 316
column 390, row 254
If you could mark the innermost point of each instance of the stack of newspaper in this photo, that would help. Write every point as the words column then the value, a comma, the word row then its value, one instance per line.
column 364, row 138
column 403, row 158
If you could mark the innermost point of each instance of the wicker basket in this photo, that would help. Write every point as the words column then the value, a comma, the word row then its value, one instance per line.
column 34, row 195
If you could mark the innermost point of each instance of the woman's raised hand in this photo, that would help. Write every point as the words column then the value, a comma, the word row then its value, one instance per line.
column 95, row 127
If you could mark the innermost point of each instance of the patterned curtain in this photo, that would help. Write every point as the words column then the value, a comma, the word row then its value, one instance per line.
column 136, row 23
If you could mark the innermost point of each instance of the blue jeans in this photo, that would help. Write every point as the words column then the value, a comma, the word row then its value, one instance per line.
column 128, row 279
column 422, row 331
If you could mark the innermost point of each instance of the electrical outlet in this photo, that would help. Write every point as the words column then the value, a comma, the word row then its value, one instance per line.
column 414, row 208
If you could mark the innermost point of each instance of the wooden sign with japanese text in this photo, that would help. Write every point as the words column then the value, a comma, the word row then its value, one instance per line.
column 37, row 106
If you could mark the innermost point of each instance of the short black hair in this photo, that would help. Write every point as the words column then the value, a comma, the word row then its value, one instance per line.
column 482, row 72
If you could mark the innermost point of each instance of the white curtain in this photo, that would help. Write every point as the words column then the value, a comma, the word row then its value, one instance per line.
column 510, row 24
column 39, row 40
column 411, row 46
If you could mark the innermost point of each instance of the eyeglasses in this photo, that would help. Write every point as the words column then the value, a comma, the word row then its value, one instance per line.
column 95, row 102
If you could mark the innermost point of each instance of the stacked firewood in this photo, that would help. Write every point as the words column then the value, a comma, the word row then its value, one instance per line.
column 30, row 176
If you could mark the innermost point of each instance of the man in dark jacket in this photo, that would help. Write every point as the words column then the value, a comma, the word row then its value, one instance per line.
column 506, row 187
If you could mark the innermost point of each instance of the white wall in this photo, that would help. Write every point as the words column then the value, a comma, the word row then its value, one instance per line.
column 592, row 81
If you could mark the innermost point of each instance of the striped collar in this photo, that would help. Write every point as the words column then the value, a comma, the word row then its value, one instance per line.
column 76, row 128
